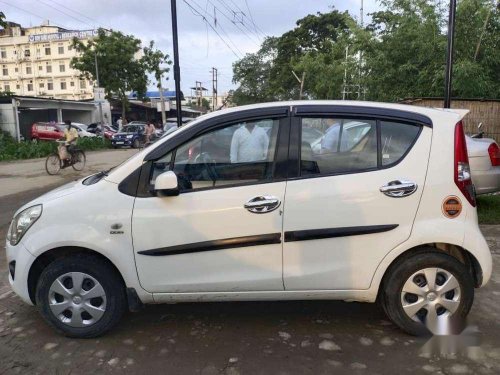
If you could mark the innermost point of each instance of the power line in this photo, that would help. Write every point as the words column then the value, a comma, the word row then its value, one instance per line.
column 244, row 15
column 196, row 13
column 214, row 17
column 75, row 11
column 63, row 12
column 257, row 28
column 231, row 10
column 234, row 23
column 27, row 11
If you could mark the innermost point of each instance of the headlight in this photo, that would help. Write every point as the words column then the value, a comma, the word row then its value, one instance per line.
column 130, row 136
column 22, row 222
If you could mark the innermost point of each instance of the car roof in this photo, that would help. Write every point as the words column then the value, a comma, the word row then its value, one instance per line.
column 457, row 114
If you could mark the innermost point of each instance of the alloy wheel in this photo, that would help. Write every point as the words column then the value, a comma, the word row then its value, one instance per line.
column 77, row 299
column 431, row 296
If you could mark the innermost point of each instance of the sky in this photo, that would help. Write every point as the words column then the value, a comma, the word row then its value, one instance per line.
column 212, row 33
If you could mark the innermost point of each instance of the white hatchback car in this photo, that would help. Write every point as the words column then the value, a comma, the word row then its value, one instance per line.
column 236, row 206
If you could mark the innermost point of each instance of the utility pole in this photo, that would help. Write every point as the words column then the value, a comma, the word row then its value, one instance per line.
column 177, row 69
column 301, row 81
column 101, row 119
column 360, row 57
column 162, row 103
column 344, row 91
column 478, row 46
column 199, row 94
column 449, row 54
column 361, row 15
column 214, row 88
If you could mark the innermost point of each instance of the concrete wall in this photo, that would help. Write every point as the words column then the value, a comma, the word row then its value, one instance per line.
column 7, row 121
column 83, row 117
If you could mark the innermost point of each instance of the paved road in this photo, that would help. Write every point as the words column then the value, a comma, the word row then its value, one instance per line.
column 245, row 338
column 24, row 175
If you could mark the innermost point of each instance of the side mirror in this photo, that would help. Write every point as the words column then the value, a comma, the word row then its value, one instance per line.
column 167, row 183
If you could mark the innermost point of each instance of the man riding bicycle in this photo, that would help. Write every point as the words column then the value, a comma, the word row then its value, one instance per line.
column 71, row 138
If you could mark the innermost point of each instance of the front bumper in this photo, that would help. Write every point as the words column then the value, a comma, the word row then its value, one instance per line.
column 23, row 261
column 121, row 142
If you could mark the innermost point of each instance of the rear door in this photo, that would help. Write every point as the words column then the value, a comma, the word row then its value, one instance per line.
column 352, row 196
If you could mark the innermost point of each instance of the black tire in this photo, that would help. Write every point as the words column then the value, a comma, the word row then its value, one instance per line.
column 105, row 275
column 404, row 268
column 136, row 144
column 53, row 164
column 78, row 160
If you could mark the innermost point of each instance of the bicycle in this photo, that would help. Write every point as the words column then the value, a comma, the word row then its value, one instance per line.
column 54, row 164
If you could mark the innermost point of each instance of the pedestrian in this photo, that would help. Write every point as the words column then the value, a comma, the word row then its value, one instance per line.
column 150, row 131
column 249, row 143
column 330, row 140
column 120, row 124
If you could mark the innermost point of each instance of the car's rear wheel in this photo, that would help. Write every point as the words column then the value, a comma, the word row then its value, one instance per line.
column 428, row 292
column 80, row 296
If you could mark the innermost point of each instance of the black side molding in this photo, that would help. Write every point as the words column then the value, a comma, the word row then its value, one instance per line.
column 226, row 243
column 317, row 234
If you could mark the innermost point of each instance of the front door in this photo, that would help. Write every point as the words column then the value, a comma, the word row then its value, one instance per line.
column 222, row 233
column 354, row 198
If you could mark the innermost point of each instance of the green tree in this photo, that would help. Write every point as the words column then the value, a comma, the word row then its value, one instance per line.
column 3, row 22
column 253, row 73
column 401, row 53
column 477, row 54
column 267, row 74
column 407, row 55
column 157, row 63
column 119, row 70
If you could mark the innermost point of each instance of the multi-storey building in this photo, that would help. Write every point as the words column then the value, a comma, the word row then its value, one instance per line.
column 35, row 61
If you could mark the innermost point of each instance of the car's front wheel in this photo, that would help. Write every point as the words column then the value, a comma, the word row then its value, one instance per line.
column 80, row 296
column 428, row 292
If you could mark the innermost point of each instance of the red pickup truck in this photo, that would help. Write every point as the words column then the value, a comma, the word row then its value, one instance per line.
column 46, row 131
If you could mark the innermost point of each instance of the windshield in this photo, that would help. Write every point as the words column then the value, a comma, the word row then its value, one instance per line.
column 129, row 129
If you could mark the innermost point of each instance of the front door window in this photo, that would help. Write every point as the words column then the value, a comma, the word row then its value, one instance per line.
column 237, row 154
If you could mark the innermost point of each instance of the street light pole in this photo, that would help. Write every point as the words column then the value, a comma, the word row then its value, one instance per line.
column 449, row 54
column 177, row 71
column 101, row 119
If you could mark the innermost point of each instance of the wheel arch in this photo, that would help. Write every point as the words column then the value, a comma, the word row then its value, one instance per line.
column 461, row 254
column 47, row 257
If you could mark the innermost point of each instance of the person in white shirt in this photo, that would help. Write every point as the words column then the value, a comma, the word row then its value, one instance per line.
column 249, row 143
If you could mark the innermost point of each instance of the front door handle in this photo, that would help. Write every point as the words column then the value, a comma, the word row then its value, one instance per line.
column 262, row 204
column 399, row 188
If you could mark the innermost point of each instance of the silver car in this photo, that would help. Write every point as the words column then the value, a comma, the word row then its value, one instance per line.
column 484, row 160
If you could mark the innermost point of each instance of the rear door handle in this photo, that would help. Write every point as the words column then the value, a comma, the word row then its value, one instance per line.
column 262, row 204
column 399, row 188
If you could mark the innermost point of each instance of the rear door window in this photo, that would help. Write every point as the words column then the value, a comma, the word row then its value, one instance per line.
column 396, row 140
column 332, row 145
column 346, row 145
